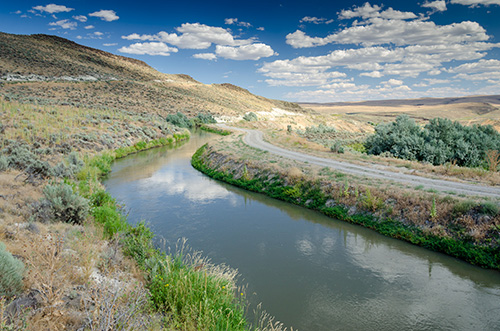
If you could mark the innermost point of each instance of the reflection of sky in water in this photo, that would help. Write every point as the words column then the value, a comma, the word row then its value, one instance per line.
column 311, row 272
column 173, row 181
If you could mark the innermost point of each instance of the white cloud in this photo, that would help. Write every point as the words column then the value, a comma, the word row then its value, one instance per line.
column 396, row 32
column 205, row 56
column 245, row 52
column 315, row 20
column 438, row 5
column 304, row 79
column 235, row 21
column 81, row 18
column 477, row 67
column 194, row 36
column 368, row 11
column 373, row 74
column 53, row 8
column 110, row 44
column 105, row 15
column 99, row 34
column 393, row 82
column 65, row 24
column 151, row 48
column 18, row 12
column 432, row 81
column 474, row 3
column 88, row 27
column 348, row 91
column 261, row 28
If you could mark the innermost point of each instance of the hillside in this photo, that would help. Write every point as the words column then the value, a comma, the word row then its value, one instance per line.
column 483, row 110
column 50, row 70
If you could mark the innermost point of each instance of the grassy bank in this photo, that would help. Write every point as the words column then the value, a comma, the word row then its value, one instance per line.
column 69, row 255
column 185, row 288
column 358, row 205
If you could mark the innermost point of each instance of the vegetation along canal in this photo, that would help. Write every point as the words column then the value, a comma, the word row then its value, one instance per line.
column 309, row 271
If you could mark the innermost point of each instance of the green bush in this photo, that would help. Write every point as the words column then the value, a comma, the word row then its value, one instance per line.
column 440, row 141
column 61, row 204
column 250, row 117
column 4, row 163
column 203, row 118
column 489, row 208
column 179, row 120
column 20, row 157
column 11, row 273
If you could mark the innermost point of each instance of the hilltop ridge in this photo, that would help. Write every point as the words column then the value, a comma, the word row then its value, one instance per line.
column 47, row 69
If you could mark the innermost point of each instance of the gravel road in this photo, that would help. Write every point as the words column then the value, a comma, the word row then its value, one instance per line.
column 254, row 138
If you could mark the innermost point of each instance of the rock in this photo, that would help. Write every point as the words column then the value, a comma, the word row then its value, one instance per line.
column 352, row 210
column 330, row 203
column 30, row 301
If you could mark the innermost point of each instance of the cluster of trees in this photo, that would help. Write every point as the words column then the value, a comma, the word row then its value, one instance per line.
column 438, row 142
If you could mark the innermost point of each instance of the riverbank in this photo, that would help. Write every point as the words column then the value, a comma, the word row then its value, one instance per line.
column 69, row 259
column 459, row 227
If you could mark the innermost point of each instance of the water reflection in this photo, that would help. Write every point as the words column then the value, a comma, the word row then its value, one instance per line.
column 311, row 272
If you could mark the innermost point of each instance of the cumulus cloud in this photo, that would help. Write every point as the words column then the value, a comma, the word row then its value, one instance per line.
column 235, row 21
column 349, row 91
column 315, row 20
column 88, row 27
column 397, row 32
column 65, row 24
column 304, row 79
column 105, row 15
column 194, row 36
column 393, row 82
column 477, row 67
column 151, row 48
column 474, row 3
column 245, row 52
column 81, row 18
column 205, row 56
column 110, row 44
column 368, row 11
column 439, row 5
column 482, row 70
column 53, row 8
column 373, row 74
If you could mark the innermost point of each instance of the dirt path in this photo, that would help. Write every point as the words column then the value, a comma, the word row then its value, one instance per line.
column 255, row 139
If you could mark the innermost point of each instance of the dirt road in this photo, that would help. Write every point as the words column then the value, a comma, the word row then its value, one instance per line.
column 254, row 138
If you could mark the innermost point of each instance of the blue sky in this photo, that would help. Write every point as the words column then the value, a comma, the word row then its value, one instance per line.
column 318, row 51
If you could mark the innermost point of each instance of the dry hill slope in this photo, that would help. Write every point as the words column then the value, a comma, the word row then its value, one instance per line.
column 52, row 70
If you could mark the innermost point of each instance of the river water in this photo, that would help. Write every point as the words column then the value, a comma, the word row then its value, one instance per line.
column 309, row 271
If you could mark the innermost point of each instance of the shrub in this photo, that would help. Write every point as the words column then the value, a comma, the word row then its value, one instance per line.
column 205, row 118
column 250, row 117
column 489, row 208
column 179, row 120
column 337, row 148
column 21, row 158
column 60, row 203
column 4, row 163
column 11, row 271
column 440, row 141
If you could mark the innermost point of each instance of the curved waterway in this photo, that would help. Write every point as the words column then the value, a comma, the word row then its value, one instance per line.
column 309, row 271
